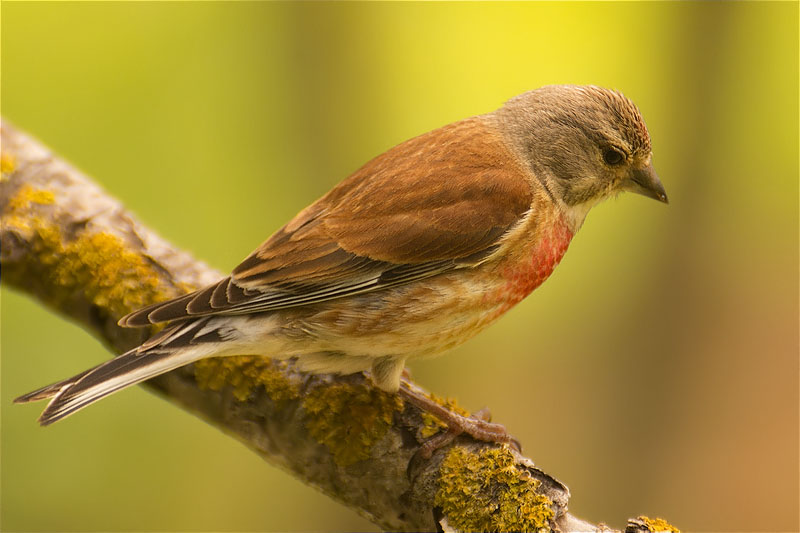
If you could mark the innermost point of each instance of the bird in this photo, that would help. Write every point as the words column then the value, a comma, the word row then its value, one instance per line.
column 417, row 251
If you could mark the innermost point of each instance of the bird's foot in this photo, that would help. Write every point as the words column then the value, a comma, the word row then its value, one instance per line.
column 477, row 425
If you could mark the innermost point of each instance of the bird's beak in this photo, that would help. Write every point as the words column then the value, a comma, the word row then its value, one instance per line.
column 644, row 181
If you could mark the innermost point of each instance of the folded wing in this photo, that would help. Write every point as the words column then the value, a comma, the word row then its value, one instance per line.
column 435, row 203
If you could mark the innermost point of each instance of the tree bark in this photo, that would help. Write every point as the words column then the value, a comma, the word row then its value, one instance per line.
column 77, row 250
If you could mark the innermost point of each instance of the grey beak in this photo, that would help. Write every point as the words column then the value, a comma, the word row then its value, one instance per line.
column 645, row 181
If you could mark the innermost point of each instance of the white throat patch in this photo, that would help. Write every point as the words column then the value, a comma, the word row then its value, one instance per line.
column 576, row 214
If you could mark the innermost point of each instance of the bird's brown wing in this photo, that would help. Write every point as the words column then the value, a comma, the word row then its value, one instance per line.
column 434, row 203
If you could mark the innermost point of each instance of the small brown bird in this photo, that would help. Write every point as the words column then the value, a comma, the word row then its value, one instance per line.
column 416, row 252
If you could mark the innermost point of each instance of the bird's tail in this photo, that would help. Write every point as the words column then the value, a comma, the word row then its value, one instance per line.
column 170, row 351
column 50, row 390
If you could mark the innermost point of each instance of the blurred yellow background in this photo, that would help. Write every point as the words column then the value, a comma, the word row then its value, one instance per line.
column 655, row 373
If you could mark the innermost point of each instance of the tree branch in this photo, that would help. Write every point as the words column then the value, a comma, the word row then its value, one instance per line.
column 76, row 249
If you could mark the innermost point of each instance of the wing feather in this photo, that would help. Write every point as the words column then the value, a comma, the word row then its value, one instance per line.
column 427, row 206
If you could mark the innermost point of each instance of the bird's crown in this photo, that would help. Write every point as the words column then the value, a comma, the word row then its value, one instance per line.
column 589, row 108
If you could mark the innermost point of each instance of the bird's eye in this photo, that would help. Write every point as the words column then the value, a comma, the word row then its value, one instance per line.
column 612, row 156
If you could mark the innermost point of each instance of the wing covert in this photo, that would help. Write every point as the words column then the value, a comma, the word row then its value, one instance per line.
column 437, row 202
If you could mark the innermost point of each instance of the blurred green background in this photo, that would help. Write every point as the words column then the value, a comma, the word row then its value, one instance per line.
column 655, row 373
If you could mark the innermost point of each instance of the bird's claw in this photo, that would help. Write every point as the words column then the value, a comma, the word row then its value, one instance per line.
column 478, row 426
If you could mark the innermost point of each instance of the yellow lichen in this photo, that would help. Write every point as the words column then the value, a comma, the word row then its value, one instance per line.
column 486, row 491
column 28, row 195
column 349, row 419
column 244, row 373
column 96, row 263
column 7, row 164
column 658, row 525
column 100, row 265
column 432, row 425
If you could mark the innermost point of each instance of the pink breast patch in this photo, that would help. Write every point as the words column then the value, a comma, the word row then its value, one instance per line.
column 524, row 276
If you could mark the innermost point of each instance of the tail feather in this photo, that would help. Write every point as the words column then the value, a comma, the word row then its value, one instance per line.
column 50, row 390
column 173, row 347
column 118, row 373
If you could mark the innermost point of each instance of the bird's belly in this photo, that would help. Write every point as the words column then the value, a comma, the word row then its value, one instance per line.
column 420, row 320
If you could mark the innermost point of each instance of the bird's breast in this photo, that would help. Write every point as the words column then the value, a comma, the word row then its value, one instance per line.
column 535, row 257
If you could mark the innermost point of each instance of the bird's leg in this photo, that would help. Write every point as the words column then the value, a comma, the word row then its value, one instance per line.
column 477, row 425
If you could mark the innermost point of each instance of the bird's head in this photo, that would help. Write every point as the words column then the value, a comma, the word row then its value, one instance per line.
column 584, row 143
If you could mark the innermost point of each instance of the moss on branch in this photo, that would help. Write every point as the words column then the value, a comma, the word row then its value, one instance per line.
column 350, row 418
column 97, row 264
column 244, row 374
column 488, row 491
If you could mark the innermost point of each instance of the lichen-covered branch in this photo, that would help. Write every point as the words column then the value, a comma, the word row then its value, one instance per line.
column 75, row 248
